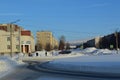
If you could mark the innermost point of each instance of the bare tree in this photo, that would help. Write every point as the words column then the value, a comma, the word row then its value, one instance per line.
column 55, row 47
column 48, row 47
column 39, row 47
column 62, row 43
column 67, row 46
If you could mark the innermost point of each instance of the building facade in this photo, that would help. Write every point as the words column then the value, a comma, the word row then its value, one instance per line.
column 111, row 41
column 11, row 39
column 93, row 43
column 44, row 38
column 27, row 42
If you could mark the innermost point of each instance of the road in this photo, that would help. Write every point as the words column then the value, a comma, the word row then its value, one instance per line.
column 29, row 72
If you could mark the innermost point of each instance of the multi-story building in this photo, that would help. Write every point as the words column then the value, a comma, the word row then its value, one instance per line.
column 44, row 38
column 11, row 38
column 27, row 42
column 93, row 43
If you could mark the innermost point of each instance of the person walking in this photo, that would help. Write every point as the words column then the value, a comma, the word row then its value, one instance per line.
column 46, row 53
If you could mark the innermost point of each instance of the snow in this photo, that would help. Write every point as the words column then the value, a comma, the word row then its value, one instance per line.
column 88, row 60
column 7, row 64
column 105, row 63
column 42, row 54
column 94, row 51
column 89, row 49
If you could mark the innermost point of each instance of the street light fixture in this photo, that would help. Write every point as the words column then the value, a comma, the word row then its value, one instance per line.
column 11, row 36
column 116, row 36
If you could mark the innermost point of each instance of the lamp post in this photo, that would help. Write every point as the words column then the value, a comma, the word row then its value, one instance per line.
column 116, row 35
column 11, row 36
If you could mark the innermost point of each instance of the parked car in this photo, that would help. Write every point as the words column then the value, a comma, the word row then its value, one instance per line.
column 65, row 52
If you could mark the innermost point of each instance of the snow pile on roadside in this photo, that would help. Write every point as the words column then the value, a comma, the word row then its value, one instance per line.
column 104, row 64
column 18, row 58
column 80, row 52
column 93, row 51
column 88, row 50
column 7, row 64
column 41, row 54
column 102, row 52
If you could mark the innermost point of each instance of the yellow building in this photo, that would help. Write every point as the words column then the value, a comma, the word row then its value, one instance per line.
column 27, row 42
column 11, row 39
column 46, row 37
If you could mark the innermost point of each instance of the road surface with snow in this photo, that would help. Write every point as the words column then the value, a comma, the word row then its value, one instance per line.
column 90, row 59
column 26, row 72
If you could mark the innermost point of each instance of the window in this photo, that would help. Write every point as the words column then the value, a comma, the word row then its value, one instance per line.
column 22, row 42
column 8, row 38
column 17, row 47
column 8, row 47
column 28, row 42
column 48, row 39
column 17, row 38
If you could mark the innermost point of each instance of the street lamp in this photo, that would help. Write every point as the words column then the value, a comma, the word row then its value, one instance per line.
column 116, row 35
column 11, row 35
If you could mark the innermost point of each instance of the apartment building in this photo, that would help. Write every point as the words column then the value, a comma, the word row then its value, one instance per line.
column 44, row 38
column 93, row 43
column 12, row 37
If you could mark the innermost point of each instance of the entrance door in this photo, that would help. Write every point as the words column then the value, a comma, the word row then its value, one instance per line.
column 26, row 48
column 22, row 48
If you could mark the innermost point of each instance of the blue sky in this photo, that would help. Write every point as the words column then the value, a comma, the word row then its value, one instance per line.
column 75, row 19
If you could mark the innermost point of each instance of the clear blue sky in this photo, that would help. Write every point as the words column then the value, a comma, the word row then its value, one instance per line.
column 75, row 19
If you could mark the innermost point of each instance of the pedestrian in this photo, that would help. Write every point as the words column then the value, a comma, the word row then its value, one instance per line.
column 52, row 53
column 36, row 54
column 29, row 54
column 46, row 53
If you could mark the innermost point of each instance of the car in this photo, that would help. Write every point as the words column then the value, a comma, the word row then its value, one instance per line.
column 65, row 52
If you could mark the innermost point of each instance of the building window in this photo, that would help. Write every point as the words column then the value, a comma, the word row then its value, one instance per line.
column 8, row 38
column 28, row 42
column 48, row 39
column 8, row 47
column 22, row 42
column 17, row 47
column 17, row 38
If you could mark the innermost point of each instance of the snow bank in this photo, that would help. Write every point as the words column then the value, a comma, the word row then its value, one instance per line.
column 41, row 54
column 7, row 64
column 94, row 51
column 100, row 64
column 88, row 50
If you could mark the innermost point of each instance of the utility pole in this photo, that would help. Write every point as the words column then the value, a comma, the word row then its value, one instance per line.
column 20, row 40
column 116, row 35
column 11, row 36
column 11, row 39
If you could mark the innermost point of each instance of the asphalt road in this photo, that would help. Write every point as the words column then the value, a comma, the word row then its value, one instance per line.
column 29, row 72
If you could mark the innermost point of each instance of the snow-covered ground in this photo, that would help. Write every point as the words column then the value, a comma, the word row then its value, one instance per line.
column 89, row 59
column 80, row 52
column 106, row 64
column 7, row 64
